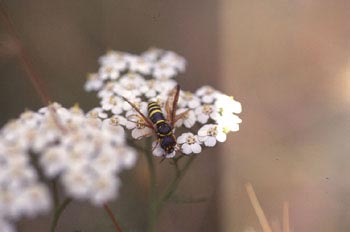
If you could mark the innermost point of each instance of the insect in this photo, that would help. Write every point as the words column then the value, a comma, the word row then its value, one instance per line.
column 162, row 127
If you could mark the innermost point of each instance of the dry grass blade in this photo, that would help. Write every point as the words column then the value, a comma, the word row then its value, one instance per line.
column 286, row 227
column 258, row 210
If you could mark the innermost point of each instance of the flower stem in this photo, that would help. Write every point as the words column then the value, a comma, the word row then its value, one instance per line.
column 58, row 212
column 153, row 211
column 113, row 218
column 180, row 173
column 55, row 196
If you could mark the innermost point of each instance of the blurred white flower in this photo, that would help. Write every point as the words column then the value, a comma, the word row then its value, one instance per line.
column 140, row 65
column 5, row 226
column 107, row 90
column 174, row 60
column 163, row 70
column 152, row 54
column 82, row 151
column 115, row 123
column 54, row 159
column 104, row 188
column 113, row 104
column 93, row 82
column 129, row 85
column 97, row 112
column 117, row 59
column 109, row 71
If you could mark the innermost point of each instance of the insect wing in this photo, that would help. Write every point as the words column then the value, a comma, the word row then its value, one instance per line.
column 171, row 104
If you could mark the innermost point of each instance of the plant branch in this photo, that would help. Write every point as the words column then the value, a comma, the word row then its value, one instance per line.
column 24, row 58
column 113, row 218
column 58, row 213
column 180, row 173
column 33, row 76
column 153, row 210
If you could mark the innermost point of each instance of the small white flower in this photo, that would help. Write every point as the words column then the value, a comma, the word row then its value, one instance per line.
column 142, row 106
column 205, row 112
column 189, row 143
column 93, row 82
column 138, row 126
column 114, row 123
column 229, row 122
column 188, row 99
column 227, row 104
column 207, row 94
column 210, row 133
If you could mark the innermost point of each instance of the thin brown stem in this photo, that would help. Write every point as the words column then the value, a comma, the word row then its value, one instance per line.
column 33, row 76
column 114, row 220
column 24, row 58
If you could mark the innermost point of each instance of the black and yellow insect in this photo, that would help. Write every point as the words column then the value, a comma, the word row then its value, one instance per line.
column 162, row 127
column 164, row 130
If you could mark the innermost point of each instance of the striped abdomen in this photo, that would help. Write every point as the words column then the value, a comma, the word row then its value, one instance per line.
column 157, row 117
column 163, row 129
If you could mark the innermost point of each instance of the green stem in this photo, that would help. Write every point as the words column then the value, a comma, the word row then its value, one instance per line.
column 58, row 213
column 170, row 190
column 55, row 196
column 152, row 214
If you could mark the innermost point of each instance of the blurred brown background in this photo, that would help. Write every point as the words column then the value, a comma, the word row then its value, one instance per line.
column 286, row 61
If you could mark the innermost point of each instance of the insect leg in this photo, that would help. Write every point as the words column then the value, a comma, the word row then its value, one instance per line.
column 181, row 115
column 174, row 108
column 140, row 113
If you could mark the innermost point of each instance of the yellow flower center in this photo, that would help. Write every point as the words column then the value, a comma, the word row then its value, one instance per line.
column 191, row 139
column 212, row 131
column 207, row 109
column 140, row 124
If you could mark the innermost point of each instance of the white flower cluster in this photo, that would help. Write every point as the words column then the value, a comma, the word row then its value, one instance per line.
column 149, row 77
column 84, row 152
